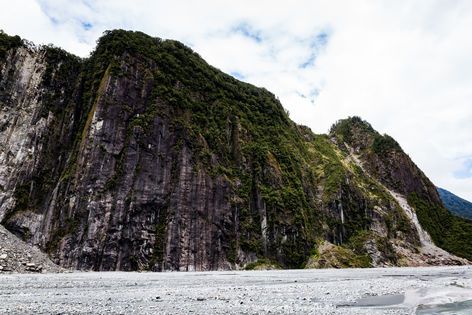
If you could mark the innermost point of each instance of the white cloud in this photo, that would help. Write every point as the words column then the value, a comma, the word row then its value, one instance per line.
column 404, row 66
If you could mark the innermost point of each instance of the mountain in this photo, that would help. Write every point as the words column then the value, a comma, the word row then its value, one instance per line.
column 456, row 204
column 144, row 157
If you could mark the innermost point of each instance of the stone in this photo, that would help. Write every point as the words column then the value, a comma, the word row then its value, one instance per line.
column 17, row 250
column 136, row 181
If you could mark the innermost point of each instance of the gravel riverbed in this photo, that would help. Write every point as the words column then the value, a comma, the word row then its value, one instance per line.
column 346, row 291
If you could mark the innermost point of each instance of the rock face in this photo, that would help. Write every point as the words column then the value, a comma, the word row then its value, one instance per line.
column 144, row 157
column 17, row 256
column 382, row 159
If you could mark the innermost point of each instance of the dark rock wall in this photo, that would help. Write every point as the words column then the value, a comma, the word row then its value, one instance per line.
column 146, row 158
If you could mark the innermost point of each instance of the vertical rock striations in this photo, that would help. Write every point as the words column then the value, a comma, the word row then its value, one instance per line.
column 144, row 157
column 384, row 160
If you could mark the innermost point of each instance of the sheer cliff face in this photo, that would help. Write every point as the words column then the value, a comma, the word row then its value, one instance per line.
column 83, row 179
column 145, row 157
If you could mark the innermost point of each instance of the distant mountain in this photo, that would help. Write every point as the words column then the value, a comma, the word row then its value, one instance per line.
column 456, row 204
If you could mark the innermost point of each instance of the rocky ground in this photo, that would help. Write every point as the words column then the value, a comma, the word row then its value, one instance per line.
column 343, row 291
column 17, row 256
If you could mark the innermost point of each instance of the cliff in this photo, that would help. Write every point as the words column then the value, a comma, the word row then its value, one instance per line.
column 144, row 157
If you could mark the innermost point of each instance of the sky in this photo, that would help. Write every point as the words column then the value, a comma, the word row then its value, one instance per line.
column 404, row 66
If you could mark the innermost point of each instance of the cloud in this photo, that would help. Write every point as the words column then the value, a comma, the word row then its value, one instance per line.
column 465, row 171
column 246, row 30
column 405, row 66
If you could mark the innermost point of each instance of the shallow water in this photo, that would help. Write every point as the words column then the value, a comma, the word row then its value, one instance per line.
column 382, row 300
column 458, row 308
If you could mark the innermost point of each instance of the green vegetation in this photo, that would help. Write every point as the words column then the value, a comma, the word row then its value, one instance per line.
column 333, row 256
column 8, row 42
column 381, row 155
column 358, row 240
column 70, row 226
column 449, row 232
column 213, row 115
column 384, row 144
column 262, row 264
column 347, row 129
column 360, row 134
column 346, row 186
column 61, row 71
column 455, row 204
column 158, row 250
column 330, row 168
column 276, row 172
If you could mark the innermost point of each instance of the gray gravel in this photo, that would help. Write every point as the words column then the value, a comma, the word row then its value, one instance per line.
column 241, row 292
column 18, row 256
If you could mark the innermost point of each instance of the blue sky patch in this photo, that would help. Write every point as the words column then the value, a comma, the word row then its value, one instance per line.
column 237, row 75
column 45, row 9
column 248, row 31
column 53, row 20
column 465, row 171
column 87, row 25
column 316, row 44
column 309, row 62
column 321, row 39
column 312, row 94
